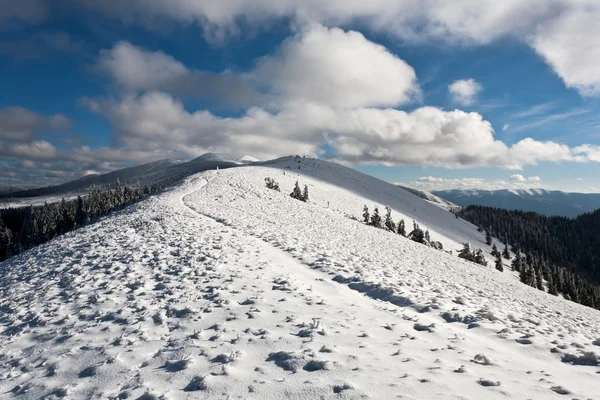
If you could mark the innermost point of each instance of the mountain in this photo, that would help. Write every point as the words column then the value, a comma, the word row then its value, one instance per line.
column 160, row 172
column 246, row 159
column 537, row 200
column 219, row 287
column 9, row 189
column 431, row 198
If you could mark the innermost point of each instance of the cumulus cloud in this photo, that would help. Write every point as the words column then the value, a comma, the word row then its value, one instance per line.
column 571, row 45
column 518, row 178
column 338, row 68
column 133, row 68
column 20, row 124
column 563, row 32
column 534, row 179
column 464, row 91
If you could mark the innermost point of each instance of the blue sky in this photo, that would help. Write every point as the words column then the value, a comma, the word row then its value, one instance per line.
column 470, row 97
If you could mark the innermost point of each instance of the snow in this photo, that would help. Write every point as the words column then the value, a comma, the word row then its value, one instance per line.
column 220, row 288
column 246, row 159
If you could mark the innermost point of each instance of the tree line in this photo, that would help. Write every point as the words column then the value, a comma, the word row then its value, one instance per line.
column 25, row 227
column 563, row 252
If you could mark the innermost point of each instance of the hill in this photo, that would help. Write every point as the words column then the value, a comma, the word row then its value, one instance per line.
column 162, row 172
column 222, row 288
column 537, row 200
column 433, row 199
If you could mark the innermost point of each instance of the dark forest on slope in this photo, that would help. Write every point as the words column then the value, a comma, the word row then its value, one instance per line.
column 572, row 244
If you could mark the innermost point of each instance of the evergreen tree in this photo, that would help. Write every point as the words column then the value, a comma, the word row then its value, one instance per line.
column 516, row 262
column 427, row 236
column 389, row 223
column 417, row 234
column 305, row 194
column 401, row 228
column 296, row 193
column 466, row 252
column 505, row 252
column 488, row 237
column 376, row 218
column 498, row 262
column 495, row 250
column 480, row 257
column 366, row 215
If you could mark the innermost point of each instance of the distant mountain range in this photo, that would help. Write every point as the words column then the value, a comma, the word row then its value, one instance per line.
column 9, row 189
column 157, row 172
column 547, row 202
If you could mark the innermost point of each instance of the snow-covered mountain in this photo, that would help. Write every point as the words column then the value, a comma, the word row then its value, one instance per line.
column 158, row 172
column 246, row 159
column 547, row 202
column 220, row 288
column 9, row 189
column 433, row 199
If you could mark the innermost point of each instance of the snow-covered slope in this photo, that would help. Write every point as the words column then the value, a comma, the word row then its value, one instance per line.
column 246, row 159
column 221, row 288
column 433, row 199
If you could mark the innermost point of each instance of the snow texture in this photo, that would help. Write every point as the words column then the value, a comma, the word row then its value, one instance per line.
column 220, row 288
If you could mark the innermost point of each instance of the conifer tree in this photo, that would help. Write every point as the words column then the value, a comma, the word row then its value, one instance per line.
column 389, row 223
column 401, row 228
column 296, row 193
column 466, row 252
column 480, row 257
column 488, row 237
column 427, row 237
column 376, row 218
column 366, row 215
column 305, row 194
column 495, row 250
column 505, row 252
column 516, row 262
column 498, row 262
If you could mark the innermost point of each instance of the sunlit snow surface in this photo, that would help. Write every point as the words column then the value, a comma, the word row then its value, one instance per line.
column 221, row 288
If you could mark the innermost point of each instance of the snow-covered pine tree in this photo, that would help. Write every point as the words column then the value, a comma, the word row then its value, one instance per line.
column 366, row 215
column 517, row 261
column 304, row 197
column 389, row 222
column 376, row 218
column 466, row 252
column 401, row 228
column 427, row 236
column 480, row 257
column 495, row 250
column 488, row 237
column 498, row 262
column 296, row 193
column 505, row 252
column 417, row 234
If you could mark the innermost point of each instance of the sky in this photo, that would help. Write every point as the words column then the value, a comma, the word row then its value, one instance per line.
column 429, row 93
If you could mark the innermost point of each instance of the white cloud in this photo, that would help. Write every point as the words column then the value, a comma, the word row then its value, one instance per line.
column 579, row 179
column 518, row 178
column 465, row 91
column 563, row 32
column 505, row 127
column 570, row 43
column 133, row 68
column 534, row 179
column 337, row 68
column 310, row 99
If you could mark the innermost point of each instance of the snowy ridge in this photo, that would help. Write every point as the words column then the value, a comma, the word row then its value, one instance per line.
column 220, row 288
